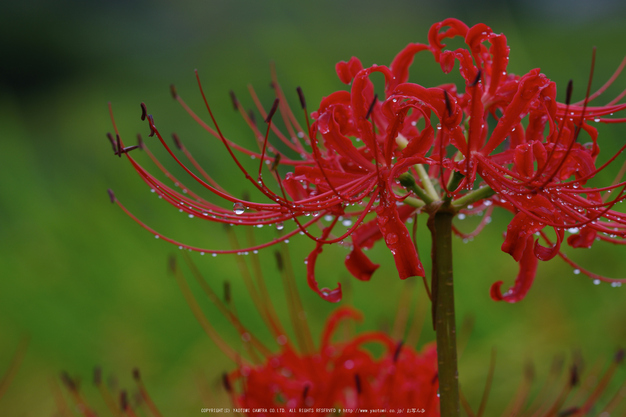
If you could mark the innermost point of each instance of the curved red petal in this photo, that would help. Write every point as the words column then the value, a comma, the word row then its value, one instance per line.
column 359, row 265
column 527, row 271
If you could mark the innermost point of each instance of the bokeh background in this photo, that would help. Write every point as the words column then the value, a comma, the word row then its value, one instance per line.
column 88, row 287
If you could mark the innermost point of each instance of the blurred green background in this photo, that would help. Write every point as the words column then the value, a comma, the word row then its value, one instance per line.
column 89, row 287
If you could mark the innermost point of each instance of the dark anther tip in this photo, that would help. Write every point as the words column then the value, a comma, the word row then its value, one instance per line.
column 272, row 85
column 177, row 141
column 477, row 79
column 123, row 400
column 574, row 377
column 227, row 291
column 111, row 195
column 301, row 96
column 272, row 111
column 140, row 141
column 136, row 374
column 276, row 163
column 69, row 382
column 252, row 116
column 448, row 104
column 569, row 411
column 171, row 263
column 97, row 376
column 118, row 144
column 435, row 378
column 151, row 121
column 279, row 260
column 357, row 383
column 245, row 196
column 305, row 391
column 144, row 111
column 226, row 382
column 568, row 92
column 233, row 98
column 371, row 109
column 113, row 144
column 173, row 91
column 619, row 356
column 396, row 353
column 128, row 149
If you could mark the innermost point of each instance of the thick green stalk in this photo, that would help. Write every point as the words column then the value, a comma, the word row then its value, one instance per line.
column 440, row 225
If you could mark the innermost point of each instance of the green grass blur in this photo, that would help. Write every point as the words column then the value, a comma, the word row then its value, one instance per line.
column 89, row 287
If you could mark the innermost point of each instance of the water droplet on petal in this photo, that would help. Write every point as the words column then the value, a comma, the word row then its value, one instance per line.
column 391, row 238
column 239, row 208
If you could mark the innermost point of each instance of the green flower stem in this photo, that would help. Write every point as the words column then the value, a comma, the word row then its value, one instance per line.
column 472, row 197
column 440, row 224
column 414, row 202
column 408, row 182
column 426, row 182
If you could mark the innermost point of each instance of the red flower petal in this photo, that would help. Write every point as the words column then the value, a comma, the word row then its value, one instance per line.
column 333, row 296
column 525, row 277
column 359, row 265
column 398, row 240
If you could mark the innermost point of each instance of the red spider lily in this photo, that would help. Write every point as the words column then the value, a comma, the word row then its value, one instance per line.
column 343, row 375
column 340, row 373
column 337, row 373
column 372, row 152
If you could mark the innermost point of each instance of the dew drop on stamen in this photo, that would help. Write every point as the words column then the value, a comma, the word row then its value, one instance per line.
column 461, row 216
column 576, row 271
column 239, row 208
column 214, row 254
column 596, row 281
column 347, row 222
column 280, row 226
column 156, row 236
